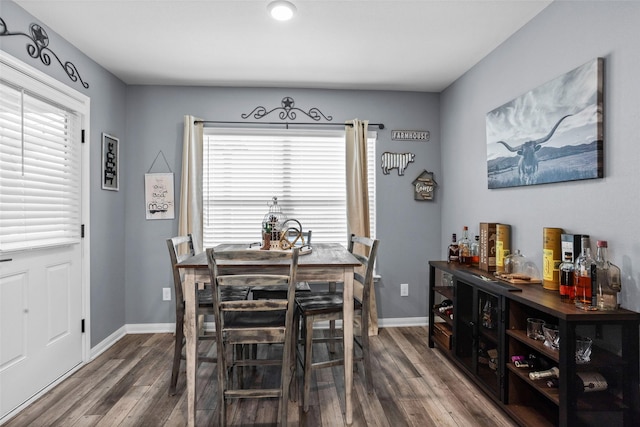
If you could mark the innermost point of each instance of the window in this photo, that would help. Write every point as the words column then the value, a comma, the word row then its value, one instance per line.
column 40, row 158
column 305, row 170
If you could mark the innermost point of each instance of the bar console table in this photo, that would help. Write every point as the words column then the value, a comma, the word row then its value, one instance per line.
column 488, row 326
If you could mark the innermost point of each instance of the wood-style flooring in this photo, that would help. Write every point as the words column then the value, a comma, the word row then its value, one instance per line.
column 127, row 386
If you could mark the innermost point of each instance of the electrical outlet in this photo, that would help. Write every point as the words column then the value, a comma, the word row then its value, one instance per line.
column 166, row 294
column 404, row 289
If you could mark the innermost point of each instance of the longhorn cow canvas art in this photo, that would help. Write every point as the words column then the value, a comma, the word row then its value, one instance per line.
column 552, row 133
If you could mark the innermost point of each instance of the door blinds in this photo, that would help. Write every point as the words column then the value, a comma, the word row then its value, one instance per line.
column 40, row 165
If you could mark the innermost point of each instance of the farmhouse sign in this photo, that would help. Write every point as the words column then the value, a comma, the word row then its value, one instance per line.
column 410, row 135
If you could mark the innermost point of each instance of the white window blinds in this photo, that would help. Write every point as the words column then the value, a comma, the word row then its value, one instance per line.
column 40, row 165
column 243, row 170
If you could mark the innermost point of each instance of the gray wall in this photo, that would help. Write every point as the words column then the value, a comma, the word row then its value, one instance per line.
column 563, row 36
column 107, row 95
column 128, row 255
column 409, row 230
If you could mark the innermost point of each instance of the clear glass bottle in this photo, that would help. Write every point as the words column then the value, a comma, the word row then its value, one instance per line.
column 567, row 289
column 453, row 250
column 475, row 252
column 584, row 277
column 607, row 279
column 464, row 246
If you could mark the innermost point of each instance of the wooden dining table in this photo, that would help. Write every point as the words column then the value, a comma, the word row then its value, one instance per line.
column 327, row 262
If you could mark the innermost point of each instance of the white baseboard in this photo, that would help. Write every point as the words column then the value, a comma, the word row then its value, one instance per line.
column 156, row 328
column 106, row 343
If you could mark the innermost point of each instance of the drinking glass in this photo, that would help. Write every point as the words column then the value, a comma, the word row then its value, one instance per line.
column 534, row 328
column 583, row 349
column 551, row 336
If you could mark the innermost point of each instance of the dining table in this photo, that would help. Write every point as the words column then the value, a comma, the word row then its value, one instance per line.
column 324, row 262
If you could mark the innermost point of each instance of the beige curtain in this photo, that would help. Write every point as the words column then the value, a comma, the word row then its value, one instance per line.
column 190, row 216
column 358, row 195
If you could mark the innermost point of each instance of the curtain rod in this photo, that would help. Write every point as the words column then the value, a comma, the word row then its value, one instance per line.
column 286, row 124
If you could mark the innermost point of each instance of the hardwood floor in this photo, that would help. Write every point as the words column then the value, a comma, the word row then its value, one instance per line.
column 127, row 386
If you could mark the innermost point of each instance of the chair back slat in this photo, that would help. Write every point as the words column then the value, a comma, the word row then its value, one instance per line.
column 180, row 248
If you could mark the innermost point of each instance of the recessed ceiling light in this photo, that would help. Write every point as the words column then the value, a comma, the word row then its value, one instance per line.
column 281, row 10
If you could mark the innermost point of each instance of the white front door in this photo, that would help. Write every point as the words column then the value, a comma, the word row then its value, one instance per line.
column 40, row 320
column 43, row 256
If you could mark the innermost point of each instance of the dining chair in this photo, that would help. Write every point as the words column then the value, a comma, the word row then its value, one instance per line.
column 316, row 307
column 181, row 248
column 244, row 323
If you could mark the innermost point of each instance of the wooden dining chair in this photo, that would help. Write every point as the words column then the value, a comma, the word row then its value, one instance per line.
column 322, row 306
column 244, row 323
column 181, row 248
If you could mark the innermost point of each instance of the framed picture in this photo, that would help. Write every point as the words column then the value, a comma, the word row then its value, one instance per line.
column 550, row 134
column 110, row 162
column 158, row 196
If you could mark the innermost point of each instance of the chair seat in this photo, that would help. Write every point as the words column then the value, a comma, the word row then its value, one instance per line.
column 322, row 302
column 257, row 319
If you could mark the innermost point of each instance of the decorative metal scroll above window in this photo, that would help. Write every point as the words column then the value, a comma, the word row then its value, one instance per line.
column 287, row 111
column 40, row 49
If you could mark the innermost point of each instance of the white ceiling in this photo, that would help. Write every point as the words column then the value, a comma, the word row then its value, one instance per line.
column 341, row 44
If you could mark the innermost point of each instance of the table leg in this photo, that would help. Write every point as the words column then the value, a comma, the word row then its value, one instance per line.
column 347, row 328
column 191, row 329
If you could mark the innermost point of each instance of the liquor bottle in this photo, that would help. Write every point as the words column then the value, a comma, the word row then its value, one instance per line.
column 607, row 279
column 549, row 373
column 453, row 250
column 475, row 252
column 464, row 246
column 567, row 290
column 589, row 382
column 584, row 277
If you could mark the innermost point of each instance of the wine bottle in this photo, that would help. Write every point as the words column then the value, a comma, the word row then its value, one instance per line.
column 567, row 290
column 607, row 279
column 464, row 246
column 584, row 278
column 453, row 249
column 475, row 252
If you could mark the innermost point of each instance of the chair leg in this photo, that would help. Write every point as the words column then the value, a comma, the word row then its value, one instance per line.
column 308, row 360
column 177, row 354
column 285, row 384
column 293, row 389
column 223, row 379
column 332, row 323
column 366, row 361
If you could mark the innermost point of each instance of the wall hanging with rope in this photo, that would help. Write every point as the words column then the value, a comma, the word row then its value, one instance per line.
column 158, row 192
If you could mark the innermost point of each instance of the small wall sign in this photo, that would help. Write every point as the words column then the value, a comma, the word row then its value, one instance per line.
column 110, row 162
column 424, row 186
column 158, row 196
column 410, row 135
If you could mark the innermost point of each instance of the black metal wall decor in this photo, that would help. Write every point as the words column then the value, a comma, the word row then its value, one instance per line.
column 400, row 161
column 40, row 49
column 287, row 111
